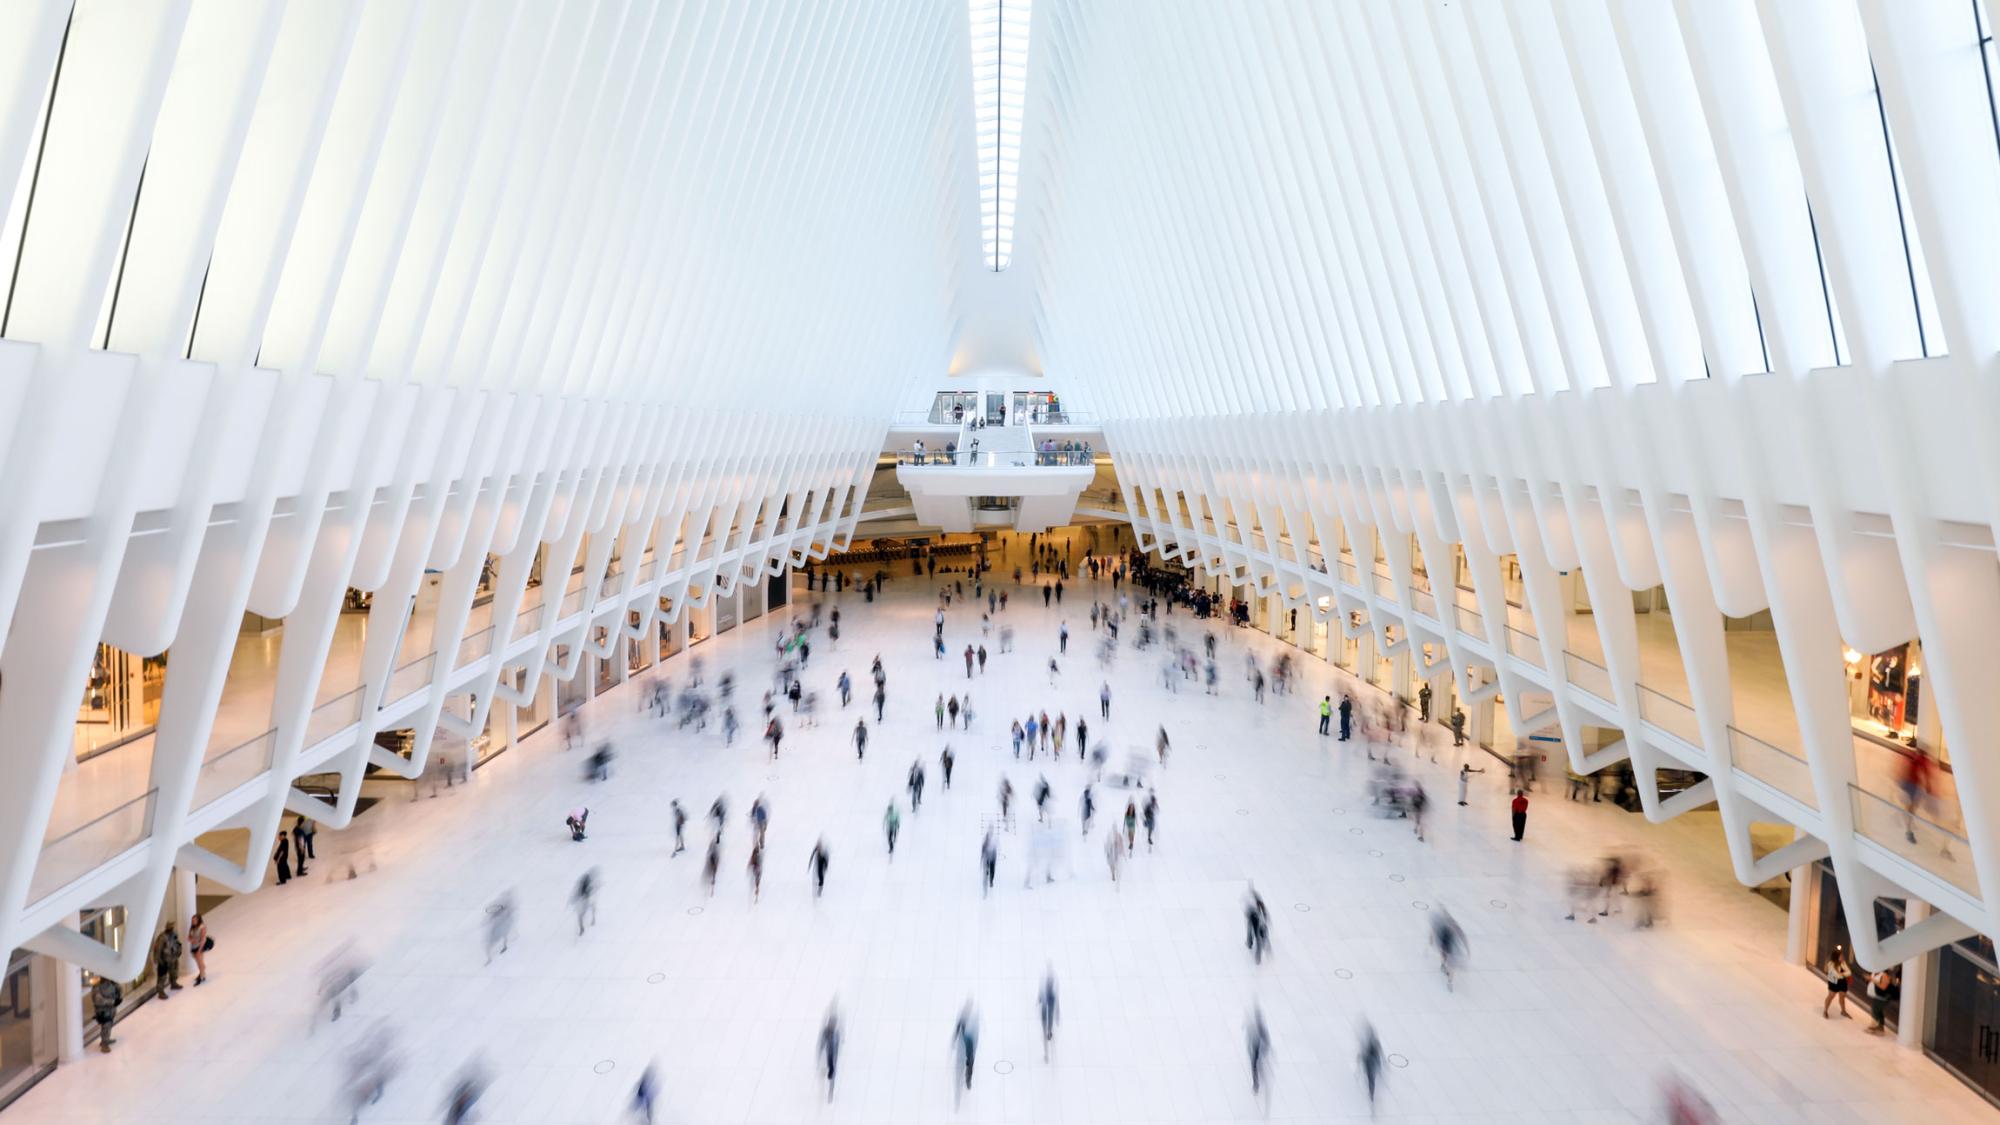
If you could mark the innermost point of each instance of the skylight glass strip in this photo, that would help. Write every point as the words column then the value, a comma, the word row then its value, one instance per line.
column 999, row 89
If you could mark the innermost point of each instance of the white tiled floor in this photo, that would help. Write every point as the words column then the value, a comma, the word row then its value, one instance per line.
column 1554, row 1021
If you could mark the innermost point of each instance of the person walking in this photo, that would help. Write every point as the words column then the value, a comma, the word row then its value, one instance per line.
column 680, row 817
column 584, row 899
column 1465, row 772
column 846, row 687
column 1325, row 714
column 945, row 761
column 643, row 1094
column 1449, row 941
column 829, row 1047
column 989, row 859
column 892, row 822
column 283, row 857
column 1257, row 926
column 1089, row 809
column 951, row 710
column 199, row 943
column 1104, row 701
column 816, row 864
column 1050, row 1012
column 499, row 924
column 1042, row 799
column 1131, row 825
column 105, row 998
column 774, row 733
column 1520, row 814
column 1006, row 802
column 965, row 1045
column 167, row 950
column 940, row 710
column 861, row 739
column 756, row 869
column 1082, row 736
column 711, row 865
column 982, row 657
column 1062, row 638
column 1257, row 1039
column 916, row 784
column 1151, row 814
column 1370, row 1058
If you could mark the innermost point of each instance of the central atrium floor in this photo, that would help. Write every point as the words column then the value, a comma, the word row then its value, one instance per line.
column 1552, row 1020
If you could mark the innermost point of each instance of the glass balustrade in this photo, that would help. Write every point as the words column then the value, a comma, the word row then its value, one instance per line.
column 1774, row 766
column 1471, row 623
column 1915, row 837
column 1524, row 645
column 1424, row 603
column 409, row 679
column 1670, row 715
column 83, row 849
column 1349, row 574
column 996, row 459
column 1588, row 675
column 232, row 768
column 474, row 647
column 333, row 716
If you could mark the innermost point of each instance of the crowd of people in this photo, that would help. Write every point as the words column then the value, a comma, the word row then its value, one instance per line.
column 1129, row 606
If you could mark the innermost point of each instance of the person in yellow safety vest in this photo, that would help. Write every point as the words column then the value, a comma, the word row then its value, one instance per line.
column 1325, row 713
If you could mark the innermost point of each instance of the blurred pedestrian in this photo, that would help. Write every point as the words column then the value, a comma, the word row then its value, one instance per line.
column 892, row 822
column 1371, row 1059
column 965, row 1044
column 644, row 1092
column 816, row 864
column 989, row 858
column 499, row 924
column 1049, row 1010
column 584, row 899
column 680, row 824
column 1520, row 814
column 1257, row 1039
column 829, row 1046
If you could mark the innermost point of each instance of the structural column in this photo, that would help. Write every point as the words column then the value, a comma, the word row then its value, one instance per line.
column 1913, row 1011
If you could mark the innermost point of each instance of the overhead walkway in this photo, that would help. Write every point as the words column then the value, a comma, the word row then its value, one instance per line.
column 1643, row 707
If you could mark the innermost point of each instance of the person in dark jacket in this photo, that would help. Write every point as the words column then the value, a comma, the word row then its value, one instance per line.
column 283, row 856
column 105, row 996
column 166, row 962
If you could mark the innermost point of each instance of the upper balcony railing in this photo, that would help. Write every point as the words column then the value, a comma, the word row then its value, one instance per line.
column 1002, row 459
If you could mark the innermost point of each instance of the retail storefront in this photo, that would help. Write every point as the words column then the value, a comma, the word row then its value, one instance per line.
column 120, row 702
column 27, row 1022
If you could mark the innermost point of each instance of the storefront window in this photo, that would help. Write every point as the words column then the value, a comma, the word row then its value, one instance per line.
column 121, row 700
column 533, row 717
column 1035, row 406
column 27, row 1034
column 1965, row 1027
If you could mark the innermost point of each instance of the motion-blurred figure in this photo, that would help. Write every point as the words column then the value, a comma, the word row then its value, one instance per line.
column 499, row 924
column 1450, row 942
column 829, row 1045
column 965, row 1046
column 711, row 865
column 465, row 1092
column 338, row 975
column 1256, row 925
column 1683, row 1105
column 369, row 1068
column 1257, row 1039
column 680, row 825
column 584, row 899
column 989, row 858
column 816, row 864
column 1050, row 1012
column 644, row 1092
column 1370, row 1058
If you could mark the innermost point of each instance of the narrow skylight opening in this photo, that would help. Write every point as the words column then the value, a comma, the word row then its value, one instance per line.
column 999, row 87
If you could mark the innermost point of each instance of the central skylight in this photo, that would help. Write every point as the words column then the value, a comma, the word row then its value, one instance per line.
column 999, row 85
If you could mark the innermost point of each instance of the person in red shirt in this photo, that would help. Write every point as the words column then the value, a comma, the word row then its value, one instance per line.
column 1520, row 814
